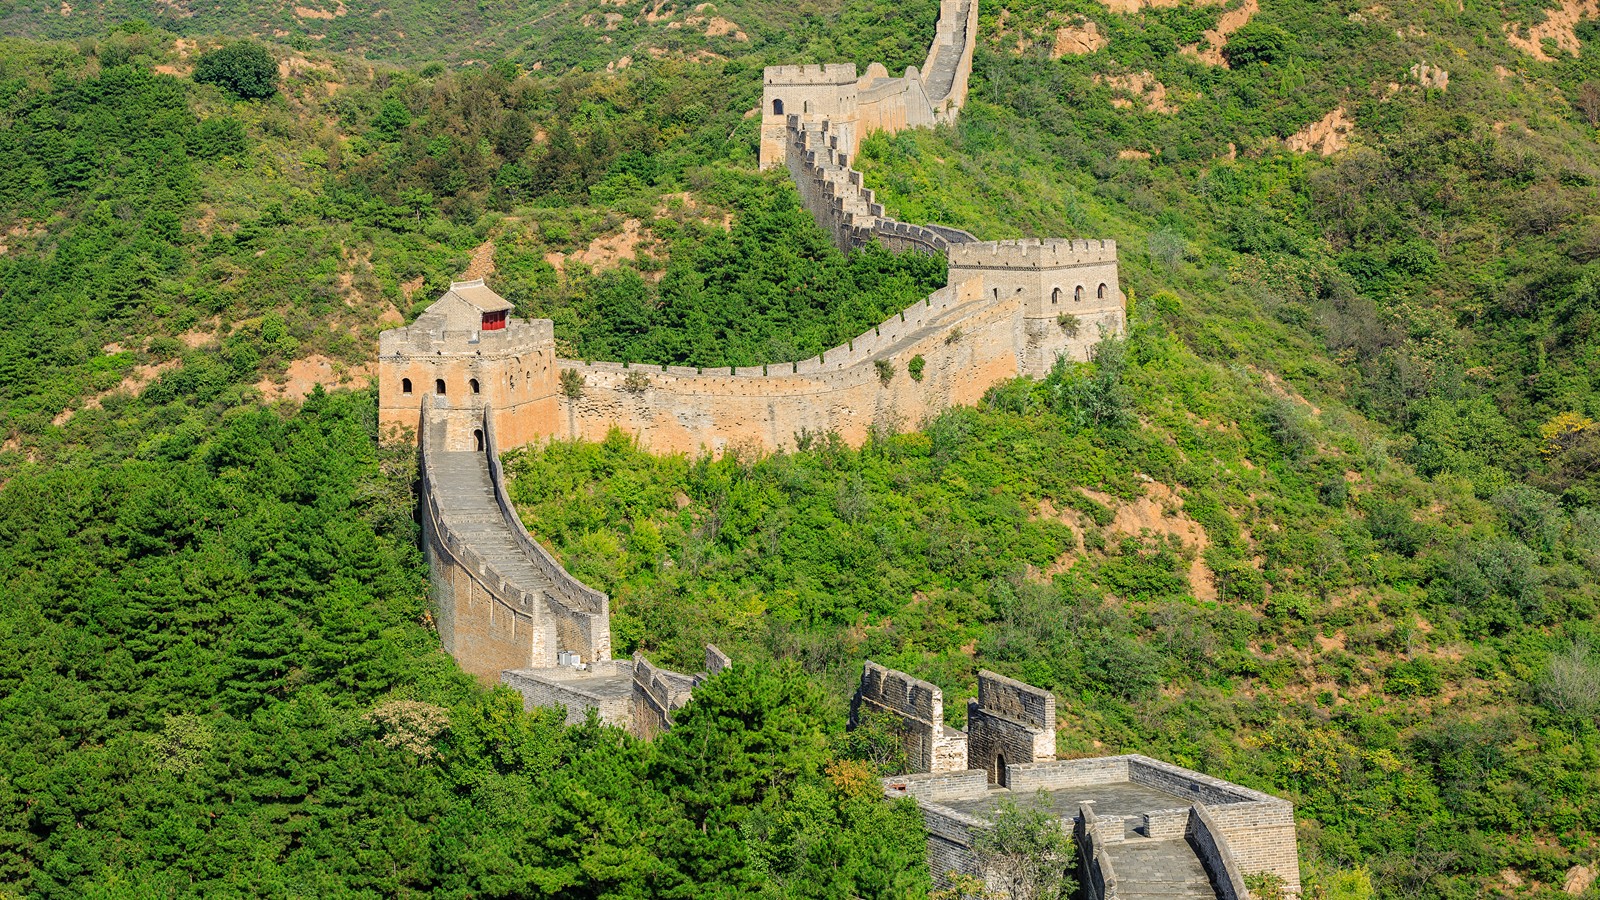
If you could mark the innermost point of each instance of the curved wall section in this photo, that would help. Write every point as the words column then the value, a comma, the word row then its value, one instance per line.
column 502, row 601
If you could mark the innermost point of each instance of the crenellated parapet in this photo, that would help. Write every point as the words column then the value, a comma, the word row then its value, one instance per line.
column 855, row 107
column 1050, row 253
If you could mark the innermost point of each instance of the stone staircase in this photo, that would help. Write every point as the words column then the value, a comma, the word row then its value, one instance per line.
column 1159, row 870
column 466, row 501
column 940, row 78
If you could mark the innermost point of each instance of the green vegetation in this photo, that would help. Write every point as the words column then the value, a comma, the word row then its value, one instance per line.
column 245, row 69
column 218, row 680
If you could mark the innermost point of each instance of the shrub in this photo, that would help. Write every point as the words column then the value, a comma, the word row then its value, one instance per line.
column 1257, row 43
column 1413, row 678
column 572, row 383
column 885, row 370
column 1069, row 324
column 1027, row 852
column 953, row 336
column 635, row 382
column 1571, row 685
column 245, row 70
column 915, row 366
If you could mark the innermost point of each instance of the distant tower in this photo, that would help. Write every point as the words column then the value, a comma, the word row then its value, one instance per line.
column 1069, row 292
column 815, row 94
column 469, row 353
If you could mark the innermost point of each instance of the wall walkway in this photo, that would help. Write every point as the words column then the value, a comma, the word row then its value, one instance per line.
column 504, row 602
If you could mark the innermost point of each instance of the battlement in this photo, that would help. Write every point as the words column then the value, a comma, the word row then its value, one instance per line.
column 1031, row 254
column 826, row 73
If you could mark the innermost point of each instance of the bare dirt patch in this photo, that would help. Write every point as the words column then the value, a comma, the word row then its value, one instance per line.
column 132, row 384
column 407, row 288
column 1578, row 880
column 1160, row 512
column 1431, row 76
column 1078, row 39
column 1217, row 38
column 1132, row 154
column 481, row 264
column 1326, row 136
column 305, row 374
column 23, row 230
column 717, row 26
column 1140, row 86
column 604, row 252
column 295, row 64
column 306, row 12
column 1130, row 7
column 1560, row 27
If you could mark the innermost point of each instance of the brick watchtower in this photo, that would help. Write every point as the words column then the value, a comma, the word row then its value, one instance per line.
column 469, row 353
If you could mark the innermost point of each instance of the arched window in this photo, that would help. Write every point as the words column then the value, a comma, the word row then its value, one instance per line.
column 1055, row 296
column 473, row 383
column 1102, row 292
column 805, row 106
column 405, row 385
column 438, row 386
column 477, row 436
column 777, row 107
column 1077, row 295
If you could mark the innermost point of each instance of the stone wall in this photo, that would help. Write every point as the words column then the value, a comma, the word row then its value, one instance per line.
column 489, row 622
column 1009, row 723
column 966, row 345
column 856, row 107
column 556, row 687
column 657, row 694
column 1211, row 846
column 918, row 709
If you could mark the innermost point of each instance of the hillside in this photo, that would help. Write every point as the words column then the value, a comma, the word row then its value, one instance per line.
column 1327, row 523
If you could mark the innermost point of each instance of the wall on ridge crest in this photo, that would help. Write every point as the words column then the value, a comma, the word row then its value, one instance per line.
column 856, row 107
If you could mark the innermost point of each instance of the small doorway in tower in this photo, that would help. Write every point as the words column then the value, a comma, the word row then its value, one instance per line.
column 474, row 385
column 477, row 437
column 1000, row 770
column 777, row 107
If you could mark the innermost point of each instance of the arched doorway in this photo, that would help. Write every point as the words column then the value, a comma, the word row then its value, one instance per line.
column 477, row 437
column 1000, row 770
column 405, row 385
column 473, row 383
column 438, row 386
column 777, row 107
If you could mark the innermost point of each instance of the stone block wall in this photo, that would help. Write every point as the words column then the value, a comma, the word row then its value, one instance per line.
column 967, row 346
column 918, row 709
column 657, row 694
column 1063, row 774
column 554, row 687
column 1009, row 723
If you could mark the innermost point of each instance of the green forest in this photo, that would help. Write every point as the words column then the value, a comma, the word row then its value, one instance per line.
column 1326, row 523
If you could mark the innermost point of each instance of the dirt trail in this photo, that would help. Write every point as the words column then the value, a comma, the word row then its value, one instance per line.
column 481, row 264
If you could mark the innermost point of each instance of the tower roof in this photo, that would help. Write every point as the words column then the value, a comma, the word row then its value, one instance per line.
column 478, row 295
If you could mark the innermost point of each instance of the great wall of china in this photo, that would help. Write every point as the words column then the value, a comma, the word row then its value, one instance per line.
column 465, row 378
